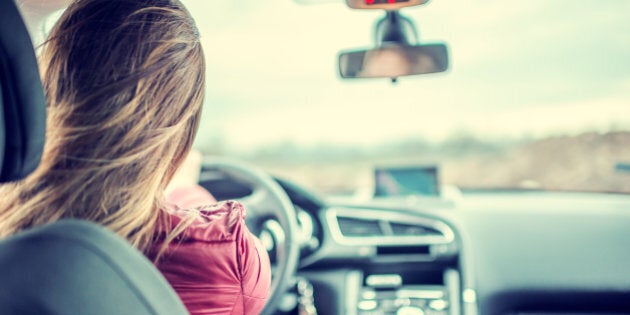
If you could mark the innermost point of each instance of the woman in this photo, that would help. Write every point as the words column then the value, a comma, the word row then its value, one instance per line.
column 124, row 81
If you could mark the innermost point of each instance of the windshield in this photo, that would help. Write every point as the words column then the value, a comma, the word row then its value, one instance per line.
column 537, row 95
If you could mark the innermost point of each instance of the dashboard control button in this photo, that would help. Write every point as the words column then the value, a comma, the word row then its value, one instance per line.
column 367, row 305
column 438, row 305
column 409, row 310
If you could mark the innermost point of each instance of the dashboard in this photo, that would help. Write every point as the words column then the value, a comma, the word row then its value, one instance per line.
column 489, row 253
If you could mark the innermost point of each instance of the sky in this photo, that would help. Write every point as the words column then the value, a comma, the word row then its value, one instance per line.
column 518, row 68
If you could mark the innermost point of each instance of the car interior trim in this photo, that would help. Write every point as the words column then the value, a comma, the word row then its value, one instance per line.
column 332, row 217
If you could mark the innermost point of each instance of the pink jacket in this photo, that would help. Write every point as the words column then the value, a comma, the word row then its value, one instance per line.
column 217, row 266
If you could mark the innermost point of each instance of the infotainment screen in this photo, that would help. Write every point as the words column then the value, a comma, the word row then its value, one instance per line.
column 406, row 181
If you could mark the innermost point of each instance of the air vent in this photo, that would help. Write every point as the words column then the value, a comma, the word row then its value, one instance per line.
column 413, row 230
column 365, row 227
column 358, row 227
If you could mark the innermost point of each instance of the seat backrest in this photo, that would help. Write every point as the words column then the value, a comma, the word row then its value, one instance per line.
column 77, row 267
column 22, row 101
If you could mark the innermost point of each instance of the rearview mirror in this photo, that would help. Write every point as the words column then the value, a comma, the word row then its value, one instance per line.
column 392, row 61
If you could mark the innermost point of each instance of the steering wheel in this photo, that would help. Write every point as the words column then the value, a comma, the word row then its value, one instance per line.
column 269, row 210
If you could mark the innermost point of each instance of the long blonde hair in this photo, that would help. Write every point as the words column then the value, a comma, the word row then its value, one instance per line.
column 124, row 81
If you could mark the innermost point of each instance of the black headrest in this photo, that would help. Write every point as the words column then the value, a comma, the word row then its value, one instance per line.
column 22, row 101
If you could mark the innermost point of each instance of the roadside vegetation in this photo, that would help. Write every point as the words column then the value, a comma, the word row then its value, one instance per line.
column 586, row 162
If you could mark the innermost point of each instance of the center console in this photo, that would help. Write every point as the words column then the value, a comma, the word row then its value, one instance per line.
column 377, row 292
column 393, row 263
column 383, row 294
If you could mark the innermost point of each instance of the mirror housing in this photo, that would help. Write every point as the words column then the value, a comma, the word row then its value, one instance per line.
column 393, row 61
column 383, row 4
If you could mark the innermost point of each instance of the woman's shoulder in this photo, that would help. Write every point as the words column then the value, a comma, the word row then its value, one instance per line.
column 216, row 263
column 219, row 222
